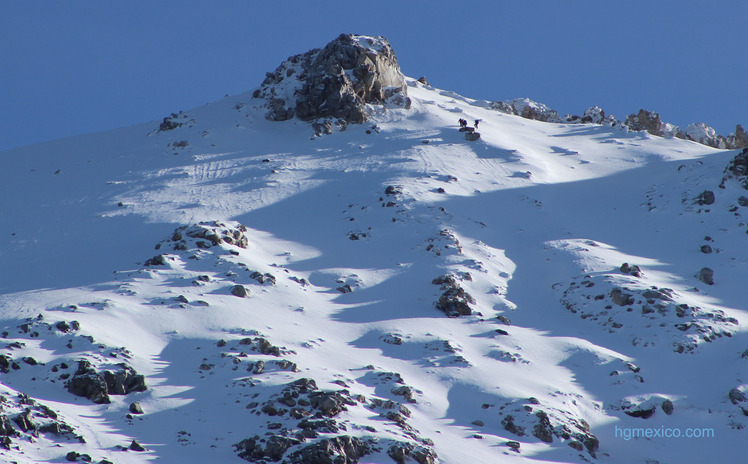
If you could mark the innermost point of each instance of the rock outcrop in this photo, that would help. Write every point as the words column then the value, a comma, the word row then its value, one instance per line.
column 651, row 122
column 455, row 301
column 97, row 387
column 737, row 169
column 644, row 120
column 335, row 82
column 528, row 109
column 739, row 139
column 705, row 135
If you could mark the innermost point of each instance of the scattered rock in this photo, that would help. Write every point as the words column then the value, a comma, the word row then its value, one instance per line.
column 514, row 445
column 643, row 409
column 504, row 319
column 240, row 291
column 705, row 198
column 135, row 408
column 737, row 396
column 73, row 456
column 263, row 278
column 620, row 298
column 667, row 407
column 706, row 275
column 136, row 446
column 345, row 289
column 169, row 123
column 159, row 260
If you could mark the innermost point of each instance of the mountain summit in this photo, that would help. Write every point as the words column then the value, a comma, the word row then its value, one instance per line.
column 257, row 280
column 336, row 81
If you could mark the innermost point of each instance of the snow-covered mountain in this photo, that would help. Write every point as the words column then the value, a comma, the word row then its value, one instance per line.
column 224, row 287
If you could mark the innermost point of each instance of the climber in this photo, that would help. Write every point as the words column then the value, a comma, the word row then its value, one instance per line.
column 463, row 122
column 476, row 123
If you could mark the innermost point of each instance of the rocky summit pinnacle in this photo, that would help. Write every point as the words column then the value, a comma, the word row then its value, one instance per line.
column 336, row 81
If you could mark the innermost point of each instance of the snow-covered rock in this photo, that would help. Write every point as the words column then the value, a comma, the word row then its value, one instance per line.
column 705, row 135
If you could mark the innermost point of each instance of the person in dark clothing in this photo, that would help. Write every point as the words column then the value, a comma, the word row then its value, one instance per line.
column 476, row 123
column 463, row 122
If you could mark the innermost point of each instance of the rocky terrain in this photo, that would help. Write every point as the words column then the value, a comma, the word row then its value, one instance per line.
column 330, row 269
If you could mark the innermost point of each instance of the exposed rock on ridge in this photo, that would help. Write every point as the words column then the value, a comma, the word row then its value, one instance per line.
column 336, row 81
column 644, row 120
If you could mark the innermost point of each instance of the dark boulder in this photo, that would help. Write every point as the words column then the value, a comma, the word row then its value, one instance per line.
column 6, row 428
column 135, row 408
column 620, row 298
column 158, row 260
column 136, row 446
column 97, row 387
column 667, row 407
column 705, row 198
column 455, row 301
column 124, row 381
column 345, row 289
column 24, row 422
column 89, row 385
column 706, row 275
column 5, row 363
column 240, row 291
column 641, row 411
column 737, row 396
column 543, row 430
column 169, row 123
column 472, row 136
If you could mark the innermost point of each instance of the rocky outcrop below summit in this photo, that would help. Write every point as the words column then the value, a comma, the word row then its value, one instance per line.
column 335, row 82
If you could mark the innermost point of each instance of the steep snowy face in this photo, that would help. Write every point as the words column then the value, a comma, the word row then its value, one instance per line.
column 335, row 82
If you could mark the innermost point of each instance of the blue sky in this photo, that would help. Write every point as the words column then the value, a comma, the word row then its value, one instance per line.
column 74, row 67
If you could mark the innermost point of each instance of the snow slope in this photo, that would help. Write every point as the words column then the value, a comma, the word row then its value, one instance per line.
column 344, row 235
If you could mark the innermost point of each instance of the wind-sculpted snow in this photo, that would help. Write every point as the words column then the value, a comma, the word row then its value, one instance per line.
column 217, row 287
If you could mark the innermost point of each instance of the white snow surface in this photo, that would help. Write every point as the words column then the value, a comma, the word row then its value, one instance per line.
column 534, row 220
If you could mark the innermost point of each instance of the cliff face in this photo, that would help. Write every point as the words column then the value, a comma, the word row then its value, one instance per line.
column 336, row 81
